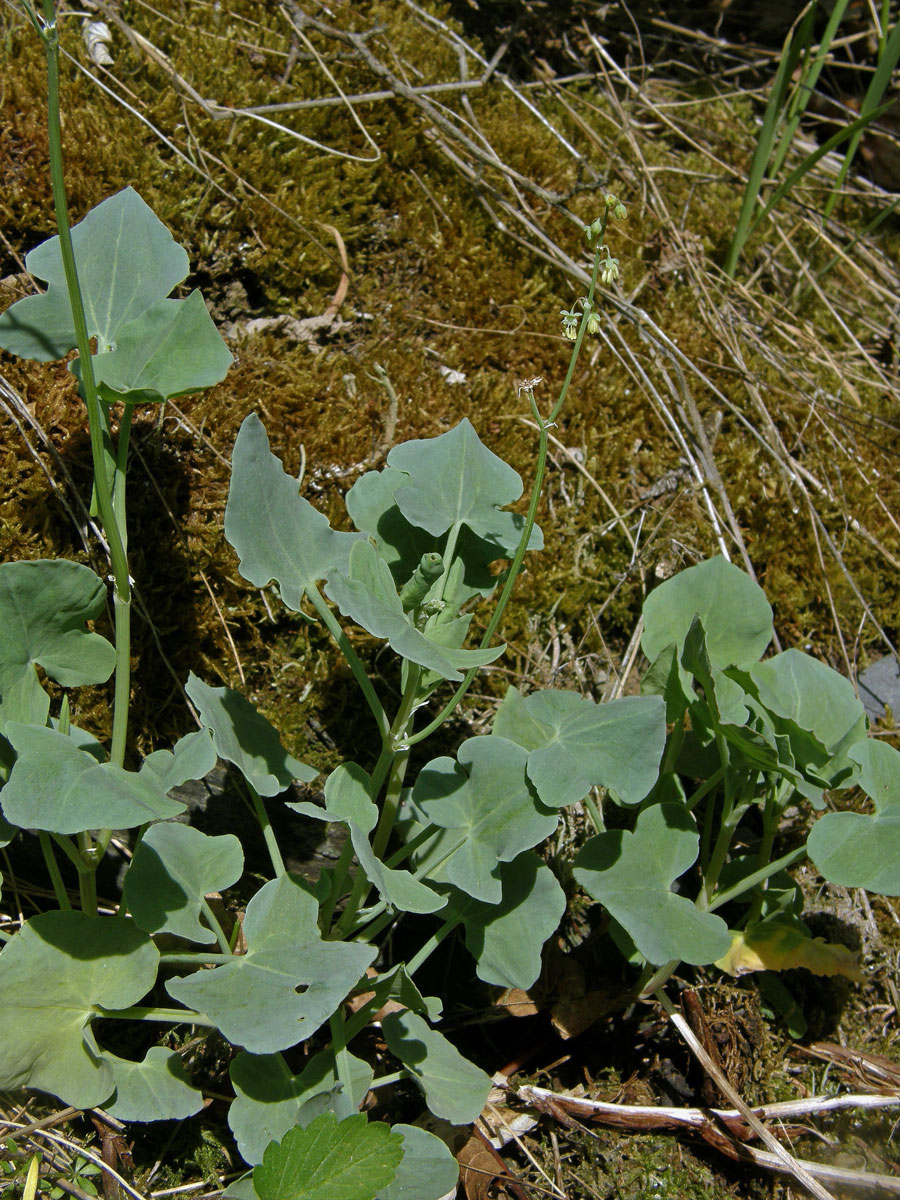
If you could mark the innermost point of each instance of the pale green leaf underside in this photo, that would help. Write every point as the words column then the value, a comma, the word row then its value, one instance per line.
column 126, row 259
column 192, row 757
column 632, row 874
column 174, row 867
column 454, row 1088
column 52, row 974
column 58, row 787
column 254, row 1000
column 347, row 1160
column 44, row 605
column 277, row 534
column 156, row 1089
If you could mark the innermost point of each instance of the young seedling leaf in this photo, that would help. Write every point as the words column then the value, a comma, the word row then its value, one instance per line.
column 156, row 1089
column 269, row 1100
column 58, row 787
column 506, row 938
column 484, row 801
column 244, row 737
column 857, row 850
column 55, row 974
column 454, row 1088
column 455, row 479
column 575, row 745
column 126, row 259
column 428, row 1171
column 288, row 983
column 368, row 595
column 733, row 608
column 347, row 1160
column 173, row 868
column 277, row 534
column 44, row 605
column 632, row 874
column 172, row 348
column 192, row 757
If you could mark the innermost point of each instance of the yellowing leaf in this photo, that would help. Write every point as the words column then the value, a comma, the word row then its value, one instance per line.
column 776, row 946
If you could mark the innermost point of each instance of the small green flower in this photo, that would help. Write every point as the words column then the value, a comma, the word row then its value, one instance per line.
column 593, row 322
column 594, row 229
column 619, row 211
column 609, row 271
column 569, row 324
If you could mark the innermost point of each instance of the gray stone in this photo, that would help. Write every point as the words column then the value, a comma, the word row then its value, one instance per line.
column 879, row 688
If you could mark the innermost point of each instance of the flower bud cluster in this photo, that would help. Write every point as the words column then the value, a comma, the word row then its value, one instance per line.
column 607, row 274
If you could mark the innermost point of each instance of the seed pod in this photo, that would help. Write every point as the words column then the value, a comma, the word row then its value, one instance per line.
column 416, row 587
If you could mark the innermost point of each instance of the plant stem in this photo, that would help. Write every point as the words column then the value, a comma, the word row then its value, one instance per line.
column 114, row 532
column 170, row 1016
column 750, row 881
column 59, row 888
column 536, row 490
column 359, row 672
column 432, row 944
column 267, row 831
column 341, row 1055
column 213, row 922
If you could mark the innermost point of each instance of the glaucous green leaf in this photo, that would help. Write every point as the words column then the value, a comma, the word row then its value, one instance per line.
column 733, row 608
column 341, row 1160
column 348, row 798
column 428, row 1171
column 455, row 479
column 192, row 757
column 631, row 874
column 276, row 533
column 44, row 605
column 506, row 939
column 244, row 737
column 269, row 1100
column 126, row 259
column 56, row 786
column 156, row 1089
column 812, row 697
column 858, row 850
column 491, row 813
column 373, row 510
column 172, row 348
column 173, row 868
column 575, row 745
column 368, row 595
column 56, row 973
column 454, row 1088
column 289, row 981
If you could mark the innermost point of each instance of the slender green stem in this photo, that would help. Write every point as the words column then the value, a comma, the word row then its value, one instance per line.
column 267, row 831
column 326, row 912
column 87, row 878
column 169, row 1016
column 70, row 850
column 384, row 1080
column 593, row 811
column 59, row 888
column 432, row 944
column 704, row 789
column 114, row 531
column 656, row 979
column 534, row 502
column 750, row 881
column 213, row 922
column 199, row 958
column 359, row 671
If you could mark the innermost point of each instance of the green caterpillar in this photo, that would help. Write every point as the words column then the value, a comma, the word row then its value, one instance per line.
column 416, row 587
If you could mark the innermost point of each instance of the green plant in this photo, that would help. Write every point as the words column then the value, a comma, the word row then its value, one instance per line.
column 795, row 80
column 456, row 844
